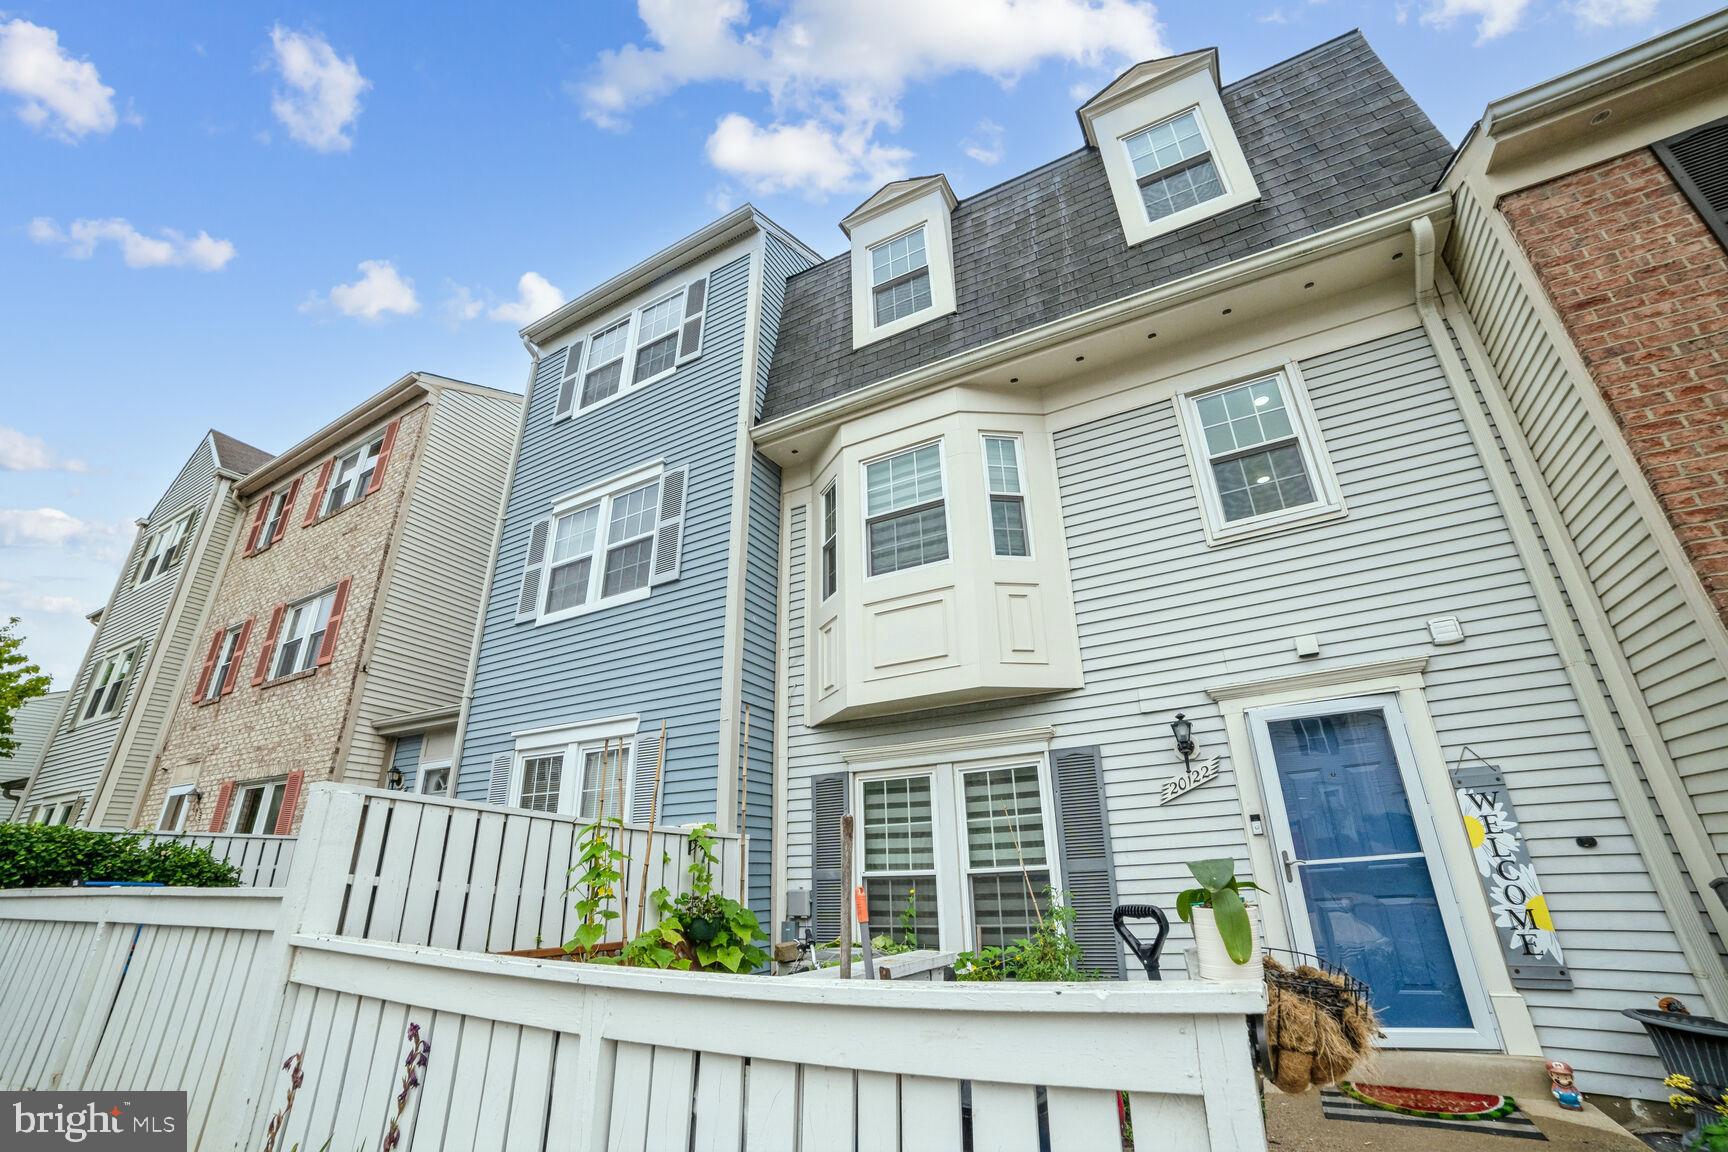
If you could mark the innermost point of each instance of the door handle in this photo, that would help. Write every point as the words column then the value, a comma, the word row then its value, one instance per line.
column 1290, row 863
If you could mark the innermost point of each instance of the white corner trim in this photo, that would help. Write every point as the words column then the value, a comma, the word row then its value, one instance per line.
column 1305, row 681
column 954, row 747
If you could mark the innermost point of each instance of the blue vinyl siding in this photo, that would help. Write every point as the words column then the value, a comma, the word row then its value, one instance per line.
column 407, row 758
column 761, row 624
column 660, row 657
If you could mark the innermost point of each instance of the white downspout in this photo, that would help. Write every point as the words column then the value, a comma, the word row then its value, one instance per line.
column 534, row 354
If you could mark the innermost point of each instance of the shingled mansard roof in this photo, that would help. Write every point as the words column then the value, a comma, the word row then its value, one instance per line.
column 1330, row 135
column 236, row 456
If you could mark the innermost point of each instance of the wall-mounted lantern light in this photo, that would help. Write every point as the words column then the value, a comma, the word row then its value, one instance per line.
column 393, row 779
column 1184, row 737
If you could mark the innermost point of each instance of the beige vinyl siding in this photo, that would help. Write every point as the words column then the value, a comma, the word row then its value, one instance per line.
column 1162, row 615
column 167, row 674
column 79, row 753
column 1679, row 675
column 31, row 726
column 425, row 628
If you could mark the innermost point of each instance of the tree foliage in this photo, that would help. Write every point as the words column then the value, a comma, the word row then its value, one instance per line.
column 20, row 679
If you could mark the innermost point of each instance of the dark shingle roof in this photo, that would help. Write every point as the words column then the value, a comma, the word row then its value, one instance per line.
column 1330, row 135
column 237, row 456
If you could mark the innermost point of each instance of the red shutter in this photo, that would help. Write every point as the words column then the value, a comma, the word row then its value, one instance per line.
column 383, row 457
column 287, row 511
column 338, row 606
column 219, row 813
column 233, row 676
column 257, row 524
column 290, row 798
column 262, row 673
column 210, row 658
column 318, row 491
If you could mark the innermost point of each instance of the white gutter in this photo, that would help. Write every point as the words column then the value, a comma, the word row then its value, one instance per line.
column 534, row 354
column 1392, row 222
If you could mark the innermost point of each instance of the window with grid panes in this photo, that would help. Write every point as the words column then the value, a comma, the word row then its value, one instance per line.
column 830, row 540
column 900, row 277
column 302, row 634
column 542, row 782
column 900, row 858
column 657, row 337
column 1254, row 449
column 605, row 363
column 1008, row 535
column 1173, row 166
column 906, row 518
column 1004, row 855
column 605, row 780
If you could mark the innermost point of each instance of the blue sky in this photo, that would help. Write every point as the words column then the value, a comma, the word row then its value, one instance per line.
column 251, row 217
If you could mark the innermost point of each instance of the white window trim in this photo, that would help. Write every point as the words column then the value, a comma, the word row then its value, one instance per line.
column 1019, row 441
column 282, row 636
column 40, row 810
column 864, row 516
column 573, row 740
column 1191, row 87
column 602, row 492
column 136, row 649
column 627, row 383
column 362, row 446
column 421, row 771
column 219, row 670
column 931, row 210
column 911, row 319
column 266, row 527
column 948, row 829
column 275, row 784
column 183, row 523
column 1211, row 154
column 1329, row 497
column 826, row 541
column 179, row 790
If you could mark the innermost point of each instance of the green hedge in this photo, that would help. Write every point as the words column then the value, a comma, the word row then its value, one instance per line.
column 55, row 856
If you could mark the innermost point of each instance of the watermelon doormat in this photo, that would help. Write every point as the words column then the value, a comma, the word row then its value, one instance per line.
column 1461, row 1111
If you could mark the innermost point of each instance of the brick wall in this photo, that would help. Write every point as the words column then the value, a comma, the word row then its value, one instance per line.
column 1642, row 286
column 296, row 723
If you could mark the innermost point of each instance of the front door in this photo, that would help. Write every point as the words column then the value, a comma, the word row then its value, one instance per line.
column 1360, row 870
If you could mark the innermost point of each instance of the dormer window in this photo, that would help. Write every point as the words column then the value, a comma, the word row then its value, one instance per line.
column 1173, row 165
column 900, row 276
column 1169, row 149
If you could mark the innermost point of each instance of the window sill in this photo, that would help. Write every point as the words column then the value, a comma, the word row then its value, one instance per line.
column 323, row 516
column 874, row 332
column 305, row 674
column 635, row 386
column 1255, row 530
column 156, row 579
column 596, row 606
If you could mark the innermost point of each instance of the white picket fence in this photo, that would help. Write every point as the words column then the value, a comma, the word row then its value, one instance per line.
column 263, row 861
column 211, row 990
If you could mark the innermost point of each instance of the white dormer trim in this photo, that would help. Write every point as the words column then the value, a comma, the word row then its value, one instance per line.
column 1149, row 94
column 897, row 210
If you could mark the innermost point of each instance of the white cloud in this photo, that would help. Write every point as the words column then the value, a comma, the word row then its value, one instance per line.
column 462, row 306
column 985, row 143
column 171, row 249
column 50, row 527
column 23, row 453
column 1612, row 13
column 1494, row 18
column 381, row 291
column 809, row 157
column 20, row 599
column 58, row 95
column 322, row 97
column 535, row 296
column 835, row 71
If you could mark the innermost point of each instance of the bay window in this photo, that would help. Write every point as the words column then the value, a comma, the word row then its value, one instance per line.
column 906, row 516
column 1008, row 536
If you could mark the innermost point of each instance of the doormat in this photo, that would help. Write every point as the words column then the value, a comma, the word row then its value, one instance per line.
column 1423, row 1108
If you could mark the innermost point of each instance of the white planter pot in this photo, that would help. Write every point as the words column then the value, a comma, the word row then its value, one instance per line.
column 1214, row 962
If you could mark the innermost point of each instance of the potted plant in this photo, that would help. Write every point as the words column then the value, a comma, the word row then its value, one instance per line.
column 1225, row 934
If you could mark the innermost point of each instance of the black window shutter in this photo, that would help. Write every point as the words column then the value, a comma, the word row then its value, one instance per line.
column 1698, row 161
column 1088, row 871
column 828, row 886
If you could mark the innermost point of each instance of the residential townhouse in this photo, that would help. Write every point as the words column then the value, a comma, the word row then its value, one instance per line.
column 1592, row 219
column 94, row 767
column 634, row 588
column 1177, row 434
column 31, row 726
column 341, row 628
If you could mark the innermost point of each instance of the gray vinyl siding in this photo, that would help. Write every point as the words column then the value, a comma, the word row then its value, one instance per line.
column 779, row 261
column 78, row 754
column 1665, row 645
column 660, row 657
column 425, row 627
column 1160, row 613
column 761, row 609
column 31, row 726
column 405, row 758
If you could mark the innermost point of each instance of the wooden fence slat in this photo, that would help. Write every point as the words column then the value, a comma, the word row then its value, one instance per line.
column 495, row 1090
column 531, row 1079
column 357, row 1064
column 879, row 1112
column 536, row 869
column 632, row 1074
column 462, row 1118
column 771, row 1105
column 452, row 879
column 567, row 1093
column 395, row 872
column 719, row 1103
column 929, row 1114
column 483, row 882
column 1179, row 1121
column 368, row 854
column 1004, row 1116
column 826, row 1108
column 425, row 885
column 1084, row 1119
column 670, row 1094
column 423, row 1128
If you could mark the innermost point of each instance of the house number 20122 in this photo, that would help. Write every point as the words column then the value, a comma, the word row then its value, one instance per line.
column 1187, row 780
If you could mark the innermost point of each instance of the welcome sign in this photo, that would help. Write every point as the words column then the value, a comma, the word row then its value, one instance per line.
column 1515, row 896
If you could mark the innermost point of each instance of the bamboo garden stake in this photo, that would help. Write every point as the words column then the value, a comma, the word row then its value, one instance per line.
column 744, row 817
column 653, row 814
column 623, row 835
